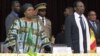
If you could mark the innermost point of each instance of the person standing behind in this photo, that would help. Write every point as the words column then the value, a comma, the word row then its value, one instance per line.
column 60, row 39
column 15, row 6
column 77, row 30
column 68, row 11
column 95, row 25
column 60, row 36
column 41, row 7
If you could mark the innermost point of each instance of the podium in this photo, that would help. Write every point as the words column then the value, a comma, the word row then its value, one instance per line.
column 61, row 48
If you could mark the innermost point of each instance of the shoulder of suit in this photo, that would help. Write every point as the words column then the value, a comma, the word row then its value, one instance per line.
column 70, row 17
column 47, row 19
column 11, row 16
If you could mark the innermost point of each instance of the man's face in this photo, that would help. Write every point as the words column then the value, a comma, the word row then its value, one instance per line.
column 16, row 7
column 42, row 12
column 66, row 12
column 80, row 8
column 92, row 15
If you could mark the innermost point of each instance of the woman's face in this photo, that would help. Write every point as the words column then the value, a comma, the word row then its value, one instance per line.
column 29, row 12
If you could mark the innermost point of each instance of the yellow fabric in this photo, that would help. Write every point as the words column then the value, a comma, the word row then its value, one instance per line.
column 93, row 42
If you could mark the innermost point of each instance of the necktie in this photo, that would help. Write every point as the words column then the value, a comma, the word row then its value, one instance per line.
column 43, row 20
column 94, row 26
column 82, row 23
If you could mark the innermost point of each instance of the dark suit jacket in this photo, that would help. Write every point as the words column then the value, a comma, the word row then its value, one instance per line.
column 72, row 34
column 97, row 33
column 10, row 19
column 60, row 38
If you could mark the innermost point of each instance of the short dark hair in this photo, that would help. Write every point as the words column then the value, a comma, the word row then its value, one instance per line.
column 14, row 2
column 90, row 12
column 75, row 3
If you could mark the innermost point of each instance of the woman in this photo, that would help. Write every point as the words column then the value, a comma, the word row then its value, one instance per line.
column 26, row 33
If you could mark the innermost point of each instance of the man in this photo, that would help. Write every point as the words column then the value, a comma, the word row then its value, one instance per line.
column 68, row 11
column 77, row 30
column 41, row 7
column 95, row 25
column 60, row 36
column 15, row 6
column 42, row 16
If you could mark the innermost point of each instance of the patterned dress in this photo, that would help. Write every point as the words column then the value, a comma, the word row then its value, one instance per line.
column 25, row 35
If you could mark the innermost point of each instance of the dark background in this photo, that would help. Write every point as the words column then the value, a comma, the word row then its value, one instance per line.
column 55, row 10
